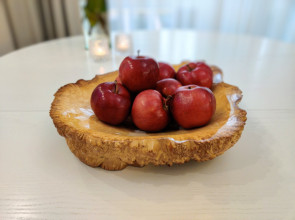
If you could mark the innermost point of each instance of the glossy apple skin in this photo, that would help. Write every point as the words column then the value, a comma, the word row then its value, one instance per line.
column 192, row 106
column 167, row 87
column 200, row 75
column 166, row 71
column 148, row 113
column 139, row 73
column 190, row 66
column 108, row 105
column 202, row 64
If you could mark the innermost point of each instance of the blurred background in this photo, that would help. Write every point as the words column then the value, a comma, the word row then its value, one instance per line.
column 27, row 22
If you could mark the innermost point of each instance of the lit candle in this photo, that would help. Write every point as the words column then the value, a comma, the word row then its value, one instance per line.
column 99, row 51
column 99, row 48
column 123, row 42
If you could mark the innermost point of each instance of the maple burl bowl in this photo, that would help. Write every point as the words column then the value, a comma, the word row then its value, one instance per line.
column 114, row 147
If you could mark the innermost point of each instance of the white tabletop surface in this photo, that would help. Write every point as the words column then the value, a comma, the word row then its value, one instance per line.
column 41, row 179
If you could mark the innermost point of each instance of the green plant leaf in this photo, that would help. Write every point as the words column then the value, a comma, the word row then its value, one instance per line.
column 93, row 9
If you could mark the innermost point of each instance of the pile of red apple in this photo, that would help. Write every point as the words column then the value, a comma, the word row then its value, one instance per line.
column 162, row 96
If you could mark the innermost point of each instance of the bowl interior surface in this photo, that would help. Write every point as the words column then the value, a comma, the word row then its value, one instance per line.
column 76, row 112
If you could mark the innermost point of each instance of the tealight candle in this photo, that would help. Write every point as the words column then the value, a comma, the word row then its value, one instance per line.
column 123, row 42
column 99, row 49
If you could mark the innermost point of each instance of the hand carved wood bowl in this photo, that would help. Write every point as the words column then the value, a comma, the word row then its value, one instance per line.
column 115, row 147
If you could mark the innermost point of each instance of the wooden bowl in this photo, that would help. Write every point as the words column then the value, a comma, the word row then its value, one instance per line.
column 114, row 147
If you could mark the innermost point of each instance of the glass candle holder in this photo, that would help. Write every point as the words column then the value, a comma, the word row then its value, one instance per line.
column 99, row 49
column 123, row 43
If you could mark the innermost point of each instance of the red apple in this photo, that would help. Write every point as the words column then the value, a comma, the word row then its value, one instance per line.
column 193, row 106
column 110, row 102
column 149, row 112
column 199, row 75
column 139, row 73
column 184, row 77
column 202, row 76
column 167, row 86
column 189, row 66
column 166, row 71
column 203, row 64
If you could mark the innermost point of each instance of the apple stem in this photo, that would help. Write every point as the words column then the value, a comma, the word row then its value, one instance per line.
column 189, row 68
column 165, row 106
column 116, row 87
column 165, row 103
column 168, row 98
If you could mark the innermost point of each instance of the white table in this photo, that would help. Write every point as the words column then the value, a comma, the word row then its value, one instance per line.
column 41, row 179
